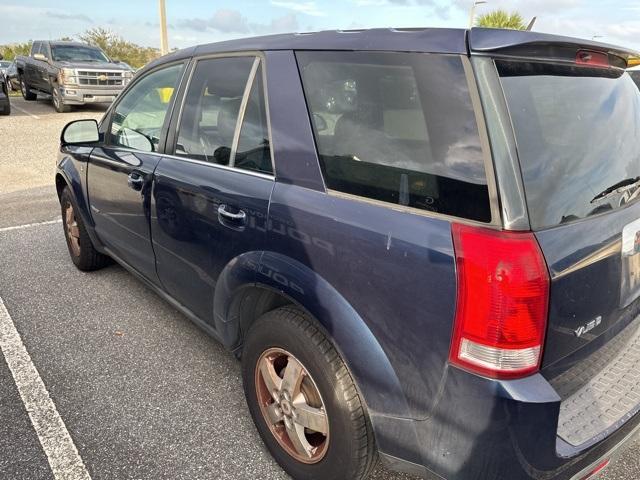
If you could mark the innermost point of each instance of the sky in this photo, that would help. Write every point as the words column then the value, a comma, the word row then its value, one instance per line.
column 193, row 22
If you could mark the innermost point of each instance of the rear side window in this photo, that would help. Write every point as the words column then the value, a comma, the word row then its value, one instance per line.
column 577, row 129
column 398, row 128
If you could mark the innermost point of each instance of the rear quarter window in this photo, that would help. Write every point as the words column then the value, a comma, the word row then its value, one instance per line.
column 397, row 128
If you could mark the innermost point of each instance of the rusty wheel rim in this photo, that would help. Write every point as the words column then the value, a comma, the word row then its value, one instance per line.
column 73, row 232
column 292, row 406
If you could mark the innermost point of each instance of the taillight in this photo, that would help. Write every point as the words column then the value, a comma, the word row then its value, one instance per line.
column 502, row 308
column 594, row 59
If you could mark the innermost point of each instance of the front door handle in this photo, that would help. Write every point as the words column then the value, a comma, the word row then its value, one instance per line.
column 236, row 217
column 135, row 181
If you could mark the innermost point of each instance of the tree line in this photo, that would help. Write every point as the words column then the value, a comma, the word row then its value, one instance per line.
column 111, row 43
column 137, row 56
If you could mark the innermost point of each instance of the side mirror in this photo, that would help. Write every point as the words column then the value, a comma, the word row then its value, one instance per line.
column 39, row 56
column 80, row 132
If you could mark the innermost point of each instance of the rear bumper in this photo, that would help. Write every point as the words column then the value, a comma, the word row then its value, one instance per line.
column 482, row 428
column 82, row 96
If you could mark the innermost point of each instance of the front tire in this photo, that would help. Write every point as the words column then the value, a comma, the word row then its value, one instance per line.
column 27, row 94
column 303, row 400
column 58, row 103
column 83, row 254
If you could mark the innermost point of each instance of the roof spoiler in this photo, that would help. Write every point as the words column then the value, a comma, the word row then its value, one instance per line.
column 527, row 44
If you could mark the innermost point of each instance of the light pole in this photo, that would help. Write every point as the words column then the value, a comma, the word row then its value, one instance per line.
column 164, row 41
column 472, row 13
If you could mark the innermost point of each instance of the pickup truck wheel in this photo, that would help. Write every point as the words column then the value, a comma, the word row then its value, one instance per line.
column 58, row 103
column 6, row 110
column 27, row 94
column 304, row 401
column 83, row 254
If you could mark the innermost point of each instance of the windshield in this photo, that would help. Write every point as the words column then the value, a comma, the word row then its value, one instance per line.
column 576, row 130
column 5, row 64
column 77, row 53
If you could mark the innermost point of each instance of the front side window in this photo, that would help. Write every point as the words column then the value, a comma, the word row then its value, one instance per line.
column 398, row 128
column 211, row 109
column 138, row 118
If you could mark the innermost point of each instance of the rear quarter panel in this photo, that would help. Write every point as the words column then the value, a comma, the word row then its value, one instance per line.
column 395, row 269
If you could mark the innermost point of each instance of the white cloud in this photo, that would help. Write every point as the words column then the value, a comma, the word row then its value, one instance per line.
column 307, row 8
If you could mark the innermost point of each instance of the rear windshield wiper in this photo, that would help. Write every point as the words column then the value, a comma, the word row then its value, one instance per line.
column 627, row 182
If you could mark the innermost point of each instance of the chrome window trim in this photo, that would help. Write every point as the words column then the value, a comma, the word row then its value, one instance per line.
column 261, row 59
column 253, row 173
column 412, row 210
column 513, row 205
column 494, row 201
column 241, row 112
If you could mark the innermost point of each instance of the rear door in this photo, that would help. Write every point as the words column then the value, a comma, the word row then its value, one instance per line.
column 210, row 198
column 120, row 172
column 577, row 128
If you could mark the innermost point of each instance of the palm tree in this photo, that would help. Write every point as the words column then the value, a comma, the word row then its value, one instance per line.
column 502, row 19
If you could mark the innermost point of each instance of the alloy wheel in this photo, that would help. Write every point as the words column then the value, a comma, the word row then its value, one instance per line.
column 292, row 406
column 73, row 232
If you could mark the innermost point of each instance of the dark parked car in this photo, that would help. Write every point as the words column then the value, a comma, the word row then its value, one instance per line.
column 348, row 213
column 5, row 103
column 13, row 81
column 72, row 73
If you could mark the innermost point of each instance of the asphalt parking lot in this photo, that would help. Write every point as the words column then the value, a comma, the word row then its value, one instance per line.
column 143, row 393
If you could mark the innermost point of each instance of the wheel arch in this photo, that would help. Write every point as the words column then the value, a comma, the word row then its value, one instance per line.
column 68, row 175
column 258, row 282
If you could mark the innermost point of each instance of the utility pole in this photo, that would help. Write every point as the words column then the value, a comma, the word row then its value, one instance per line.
column 164, row 41
column 472, row 13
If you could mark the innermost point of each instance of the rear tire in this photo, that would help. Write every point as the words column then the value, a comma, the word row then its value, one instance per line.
column 57, row 101
column 83, row 254
column 288, row 338
column 27, row 94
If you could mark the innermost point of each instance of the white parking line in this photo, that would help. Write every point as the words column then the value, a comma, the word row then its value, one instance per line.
column 62, row 454
column 30, row 225
column 25, row 111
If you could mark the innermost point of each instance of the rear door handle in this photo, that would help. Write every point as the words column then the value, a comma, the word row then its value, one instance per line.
column 135, row 181
column 239, row 217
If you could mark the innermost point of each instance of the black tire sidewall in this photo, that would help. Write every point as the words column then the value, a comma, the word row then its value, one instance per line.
column 338, row 462
column 67, row 199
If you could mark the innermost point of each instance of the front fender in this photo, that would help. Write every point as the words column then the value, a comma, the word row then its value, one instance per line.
column 72, row 170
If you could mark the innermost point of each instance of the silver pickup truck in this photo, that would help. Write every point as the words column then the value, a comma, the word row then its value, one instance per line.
column 71, row 73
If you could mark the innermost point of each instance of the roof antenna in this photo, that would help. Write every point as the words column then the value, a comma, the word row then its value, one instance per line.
column 531, row 23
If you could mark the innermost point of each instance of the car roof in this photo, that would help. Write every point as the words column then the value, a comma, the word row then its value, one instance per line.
column 428, row 40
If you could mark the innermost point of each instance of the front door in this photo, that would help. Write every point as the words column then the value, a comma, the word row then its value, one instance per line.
column 121, row 171
column 211, row 197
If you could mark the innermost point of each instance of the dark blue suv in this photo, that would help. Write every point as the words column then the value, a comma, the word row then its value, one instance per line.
column 423, row 244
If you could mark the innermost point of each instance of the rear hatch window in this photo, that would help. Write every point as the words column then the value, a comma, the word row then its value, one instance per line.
column 577, row 131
